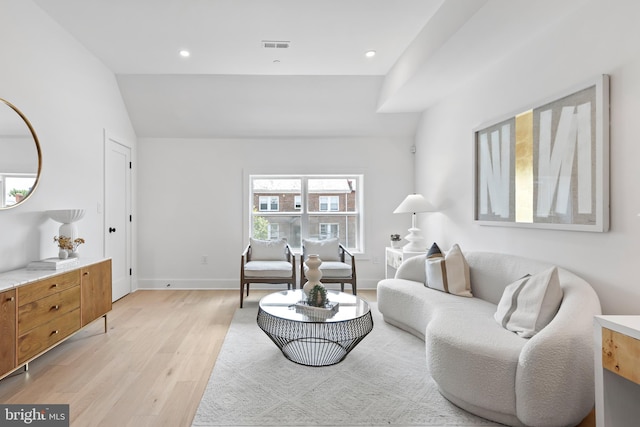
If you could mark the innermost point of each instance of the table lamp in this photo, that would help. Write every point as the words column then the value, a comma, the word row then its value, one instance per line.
column 414, row 203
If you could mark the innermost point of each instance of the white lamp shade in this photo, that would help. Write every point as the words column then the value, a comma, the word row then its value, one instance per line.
column 414, row 203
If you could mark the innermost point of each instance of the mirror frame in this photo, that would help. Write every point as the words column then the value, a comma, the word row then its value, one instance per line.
column 37, row 142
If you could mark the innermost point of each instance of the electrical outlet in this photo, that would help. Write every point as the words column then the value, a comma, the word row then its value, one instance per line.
column 204, row 259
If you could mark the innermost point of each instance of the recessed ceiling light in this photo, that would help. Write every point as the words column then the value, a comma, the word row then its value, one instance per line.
column 185, row 53
column 370, row 53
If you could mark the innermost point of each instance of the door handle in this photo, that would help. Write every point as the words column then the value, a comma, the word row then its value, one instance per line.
column 112, row 230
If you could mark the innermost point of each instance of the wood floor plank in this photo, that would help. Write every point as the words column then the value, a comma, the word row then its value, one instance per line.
column 149, row 369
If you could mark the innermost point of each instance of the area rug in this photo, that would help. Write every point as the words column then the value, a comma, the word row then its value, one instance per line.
column 382, row 382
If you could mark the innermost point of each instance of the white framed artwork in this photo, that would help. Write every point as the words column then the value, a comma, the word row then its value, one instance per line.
column 547, row 166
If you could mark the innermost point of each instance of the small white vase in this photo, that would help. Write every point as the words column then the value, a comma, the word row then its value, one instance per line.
column 63, row 254
column 312, row 273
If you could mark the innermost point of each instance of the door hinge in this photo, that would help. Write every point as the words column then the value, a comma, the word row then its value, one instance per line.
column 129, row 165
column 130, row 218
column 131, row 272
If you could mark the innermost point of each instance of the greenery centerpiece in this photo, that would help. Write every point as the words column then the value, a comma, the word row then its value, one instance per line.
column 318, row 296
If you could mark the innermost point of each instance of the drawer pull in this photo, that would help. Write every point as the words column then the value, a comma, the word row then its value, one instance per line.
column 86, row 273
column 55, row 332
column 55, row 307
column 11, row 299
column 55, row 285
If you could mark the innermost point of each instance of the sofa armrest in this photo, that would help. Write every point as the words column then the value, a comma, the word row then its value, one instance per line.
column 558, row 361
column 413, row 269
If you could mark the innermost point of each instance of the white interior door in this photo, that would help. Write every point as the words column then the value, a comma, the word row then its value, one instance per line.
column 117, row 214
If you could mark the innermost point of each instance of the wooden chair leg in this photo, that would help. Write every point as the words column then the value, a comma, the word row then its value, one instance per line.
column 241, row 293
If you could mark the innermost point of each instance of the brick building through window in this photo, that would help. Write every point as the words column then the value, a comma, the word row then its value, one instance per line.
column 302, row 207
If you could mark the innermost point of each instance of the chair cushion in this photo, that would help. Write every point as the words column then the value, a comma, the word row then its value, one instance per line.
column 333, row 269
column 268, row 269
column 327, row 250
column 268, row 250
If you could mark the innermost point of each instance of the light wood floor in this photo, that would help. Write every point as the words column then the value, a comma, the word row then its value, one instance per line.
column 150, row 369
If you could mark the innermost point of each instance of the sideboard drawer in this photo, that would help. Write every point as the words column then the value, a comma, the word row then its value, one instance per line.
column 46, row 309
column 46, row 287
column 44, row 336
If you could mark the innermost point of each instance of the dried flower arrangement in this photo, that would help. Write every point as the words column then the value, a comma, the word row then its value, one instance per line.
column 67, row 244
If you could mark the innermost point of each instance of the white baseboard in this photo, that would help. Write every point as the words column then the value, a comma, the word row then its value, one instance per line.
column 228, row 284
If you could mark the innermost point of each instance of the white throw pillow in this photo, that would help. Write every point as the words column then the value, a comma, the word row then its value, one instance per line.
column 327, row 250
column 268, row 250
column 529, row 304
column 448, row 274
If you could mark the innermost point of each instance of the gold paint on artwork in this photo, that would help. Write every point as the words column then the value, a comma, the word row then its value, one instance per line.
column 524, row 167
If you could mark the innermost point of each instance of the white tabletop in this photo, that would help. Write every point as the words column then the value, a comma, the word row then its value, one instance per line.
column 22, row 276
column 626, row 324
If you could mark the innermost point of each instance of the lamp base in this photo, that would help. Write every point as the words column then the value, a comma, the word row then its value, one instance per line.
column 416, row 241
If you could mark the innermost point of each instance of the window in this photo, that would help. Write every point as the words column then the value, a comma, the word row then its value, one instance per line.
column 14, row 187
column 273, row 231
column 269, row 203
column 329, row 203
column 329, row 230
column 297, row 207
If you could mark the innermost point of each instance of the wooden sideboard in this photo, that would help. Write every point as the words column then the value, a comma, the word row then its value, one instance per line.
column 37, row 314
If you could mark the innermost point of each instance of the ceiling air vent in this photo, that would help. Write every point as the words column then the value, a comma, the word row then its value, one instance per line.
column 273, row 44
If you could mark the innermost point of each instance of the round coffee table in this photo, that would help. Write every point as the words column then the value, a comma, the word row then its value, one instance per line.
column 309, row 339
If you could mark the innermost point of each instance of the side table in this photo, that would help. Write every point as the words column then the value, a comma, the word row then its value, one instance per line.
column 617, row 370
column 394, row 257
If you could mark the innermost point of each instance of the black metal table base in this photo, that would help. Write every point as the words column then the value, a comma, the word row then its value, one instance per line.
column 315, row 343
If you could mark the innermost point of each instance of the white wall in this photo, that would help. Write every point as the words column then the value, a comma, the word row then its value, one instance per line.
column 69, row 97
column 191, row 200
column 601, row 38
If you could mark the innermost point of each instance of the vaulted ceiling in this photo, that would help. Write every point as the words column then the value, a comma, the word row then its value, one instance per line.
column 321, row 85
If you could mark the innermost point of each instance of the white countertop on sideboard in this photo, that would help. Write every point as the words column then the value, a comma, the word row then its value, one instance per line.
column 626, row 324
column 22, row 276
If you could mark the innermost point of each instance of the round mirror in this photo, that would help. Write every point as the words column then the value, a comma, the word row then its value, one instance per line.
column 20, row 156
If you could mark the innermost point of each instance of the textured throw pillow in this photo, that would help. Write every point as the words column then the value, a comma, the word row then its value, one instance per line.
column 529, row 304
column 448, row 273
column 268, row 250
column 327, row 250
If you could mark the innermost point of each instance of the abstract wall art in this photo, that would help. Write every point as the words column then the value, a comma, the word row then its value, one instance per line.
column 547, row 166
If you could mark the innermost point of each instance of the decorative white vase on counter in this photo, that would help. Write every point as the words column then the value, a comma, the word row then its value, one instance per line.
column 63, row 254
column 312, row 273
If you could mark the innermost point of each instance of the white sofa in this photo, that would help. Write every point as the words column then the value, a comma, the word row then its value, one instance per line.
column 546, row 380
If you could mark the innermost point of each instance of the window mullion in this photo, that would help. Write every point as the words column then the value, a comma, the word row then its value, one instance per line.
column 304, row 212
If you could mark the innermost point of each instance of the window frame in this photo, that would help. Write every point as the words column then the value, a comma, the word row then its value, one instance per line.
column 353, row 214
